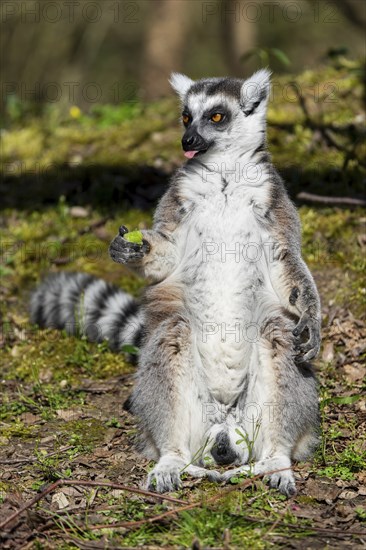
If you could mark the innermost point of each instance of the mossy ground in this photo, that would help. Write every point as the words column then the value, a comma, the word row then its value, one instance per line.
column 61, row 397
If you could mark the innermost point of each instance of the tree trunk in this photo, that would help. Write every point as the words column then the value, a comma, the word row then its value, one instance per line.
column 238, row 35
column 164, row 46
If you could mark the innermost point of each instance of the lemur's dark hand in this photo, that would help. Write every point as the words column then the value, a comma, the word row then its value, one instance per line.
column 310, row 349
column 124, row 252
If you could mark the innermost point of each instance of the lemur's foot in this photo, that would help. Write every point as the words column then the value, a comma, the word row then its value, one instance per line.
column 309, row 349
column 165, row 476
column 284, row 482
column 123, row 251
column 277, row 472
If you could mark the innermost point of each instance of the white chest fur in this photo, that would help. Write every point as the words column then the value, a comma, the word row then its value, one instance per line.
column 224, row 270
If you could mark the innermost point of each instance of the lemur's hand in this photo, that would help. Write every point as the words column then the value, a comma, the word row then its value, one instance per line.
column 123, row 251
column 310, row 349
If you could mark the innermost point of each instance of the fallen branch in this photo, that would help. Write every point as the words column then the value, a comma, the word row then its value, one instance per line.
column 318, row 530
column 77, row 482
column 132, row 524
column 60, row 482
column 340, row 201
column 214, row 498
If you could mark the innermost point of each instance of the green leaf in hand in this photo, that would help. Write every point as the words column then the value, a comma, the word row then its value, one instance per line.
column 133, row 237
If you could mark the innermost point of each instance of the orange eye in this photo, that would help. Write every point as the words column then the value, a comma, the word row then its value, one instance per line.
column 216, row 117
column 185, row 119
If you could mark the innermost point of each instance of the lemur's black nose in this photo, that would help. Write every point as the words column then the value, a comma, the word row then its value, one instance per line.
column 189, row 140
column 192, row 141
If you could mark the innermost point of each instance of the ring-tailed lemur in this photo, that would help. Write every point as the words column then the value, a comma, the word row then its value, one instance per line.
column 223, row 322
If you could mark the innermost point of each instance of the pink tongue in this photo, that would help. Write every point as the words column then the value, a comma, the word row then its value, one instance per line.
column 190, row 154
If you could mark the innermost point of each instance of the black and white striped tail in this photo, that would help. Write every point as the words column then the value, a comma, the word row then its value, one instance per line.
column 84, row 305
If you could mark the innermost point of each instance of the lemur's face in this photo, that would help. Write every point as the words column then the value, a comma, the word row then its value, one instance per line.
column 221, row 113
column 208, row 120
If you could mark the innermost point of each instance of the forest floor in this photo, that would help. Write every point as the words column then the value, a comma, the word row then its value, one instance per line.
column 61, row 414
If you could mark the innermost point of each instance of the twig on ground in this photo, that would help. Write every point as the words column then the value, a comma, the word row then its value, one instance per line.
column 61, row 482
column 341, row 201
column 132, row 524
column 214, row 498
column 221, row 494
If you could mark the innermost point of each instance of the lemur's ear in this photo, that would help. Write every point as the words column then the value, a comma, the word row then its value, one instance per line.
column 255, row 92
column 181, row 83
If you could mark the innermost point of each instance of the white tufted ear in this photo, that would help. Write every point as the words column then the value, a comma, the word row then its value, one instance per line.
column 255, row 91
column 181, row 83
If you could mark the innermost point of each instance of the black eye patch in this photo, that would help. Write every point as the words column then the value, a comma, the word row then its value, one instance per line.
column 217, row 110
column 186, row 117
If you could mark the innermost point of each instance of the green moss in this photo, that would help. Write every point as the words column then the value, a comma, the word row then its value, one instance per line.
column 208, row 524
column 330, row 241
column 336, row 472
column 10, row 409
column 58, row 357
column 26, row 144
column 87, row 432
column 17, row 429
column 127, row 136
column 110, row 135
column 306, row 500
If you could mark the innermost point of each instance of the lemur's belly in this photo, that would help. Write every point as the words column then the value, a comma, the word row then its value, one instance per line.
column 226, row 277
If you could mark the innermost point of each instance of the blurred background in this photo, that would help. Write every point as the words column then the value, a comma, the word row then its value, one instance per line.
column 87, row 112
column 108, row 51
